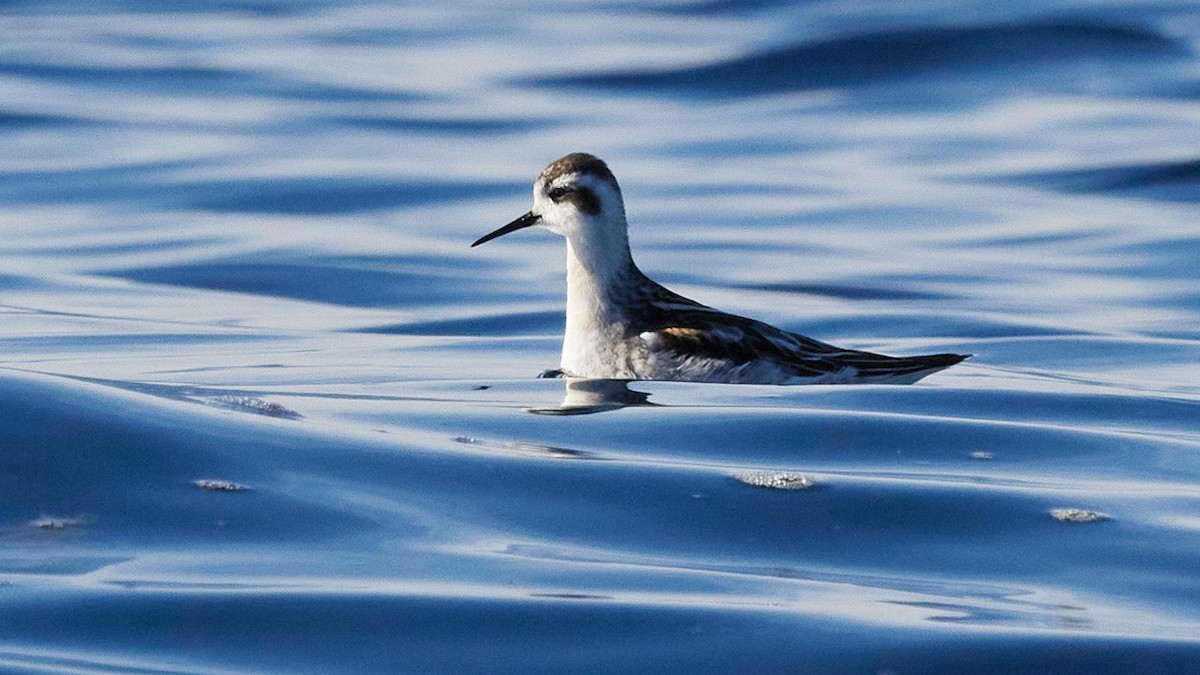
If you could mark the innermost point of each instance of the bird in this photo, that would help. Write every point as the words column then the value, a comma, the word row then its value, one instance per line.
column 622, row 325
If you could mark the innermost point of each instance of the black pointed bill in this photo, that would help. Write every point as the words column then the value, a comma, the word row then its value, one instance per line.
column 521, row 223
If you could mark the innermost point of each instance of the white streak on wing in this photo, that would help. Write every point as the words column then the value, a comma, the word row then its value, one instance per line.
column 784, row 342
column 727, row 334
column 669, row 306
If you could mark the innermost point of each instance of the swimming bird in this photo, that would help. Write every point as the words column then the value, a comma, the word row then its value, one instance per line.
column 622, row 325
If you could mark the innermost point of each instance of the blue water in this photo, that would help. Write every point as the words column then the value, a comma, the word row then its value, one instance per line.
column 264, row 411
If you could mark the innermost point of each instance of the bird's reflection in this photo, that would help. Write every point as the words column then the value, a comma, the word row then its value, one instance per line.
column 584, row 397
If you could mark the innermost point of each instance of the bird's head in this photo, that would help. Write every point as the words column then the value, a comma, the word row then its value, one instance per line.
column 577, row 197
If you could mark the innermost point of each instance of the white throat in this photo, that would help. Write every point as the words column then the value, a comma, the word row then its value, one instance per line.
column 599, row 269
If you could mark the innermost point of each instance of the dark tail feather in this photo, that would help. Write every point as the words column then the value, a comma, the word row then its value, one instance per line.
column 899, row 366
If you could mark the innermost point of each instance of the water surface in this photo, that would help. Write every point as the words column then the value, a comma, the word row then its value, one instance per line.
column 265, row 411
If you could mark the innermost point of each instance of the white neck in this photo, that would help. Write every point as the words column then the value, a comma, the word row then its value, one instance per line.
column 597, row 265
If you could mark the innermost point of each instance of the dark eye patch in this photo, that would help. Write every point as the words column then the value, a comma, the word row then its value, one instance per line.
column 583, row 198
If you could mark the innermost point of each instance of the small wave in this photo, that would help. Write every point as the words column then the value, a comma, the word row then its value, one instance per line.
column 325, row 195
column 337, row 280
column 846, row 292
column 252, row 404
column 1169, row 181
column 516, row 323
column 1076, row 515
column 716, row 7
column 183, row 78
column 163, row 184
column 775, row 480
column 12, row 119
column 193, row 80
column 876, row 57
column 216, row 485
column 431, row 125
column 44, row 522
column 159, row 183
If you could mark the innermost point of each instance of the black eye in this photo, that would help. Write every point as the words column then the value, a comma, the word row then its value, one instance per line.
column 582, row 197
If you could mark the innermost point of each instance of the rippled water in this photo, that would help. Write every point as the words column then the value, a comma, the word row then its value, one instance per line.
column 264, row 411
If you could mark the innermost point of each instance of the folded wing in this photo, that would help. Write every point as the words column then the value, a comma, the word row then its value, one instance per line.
column 701, row 333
